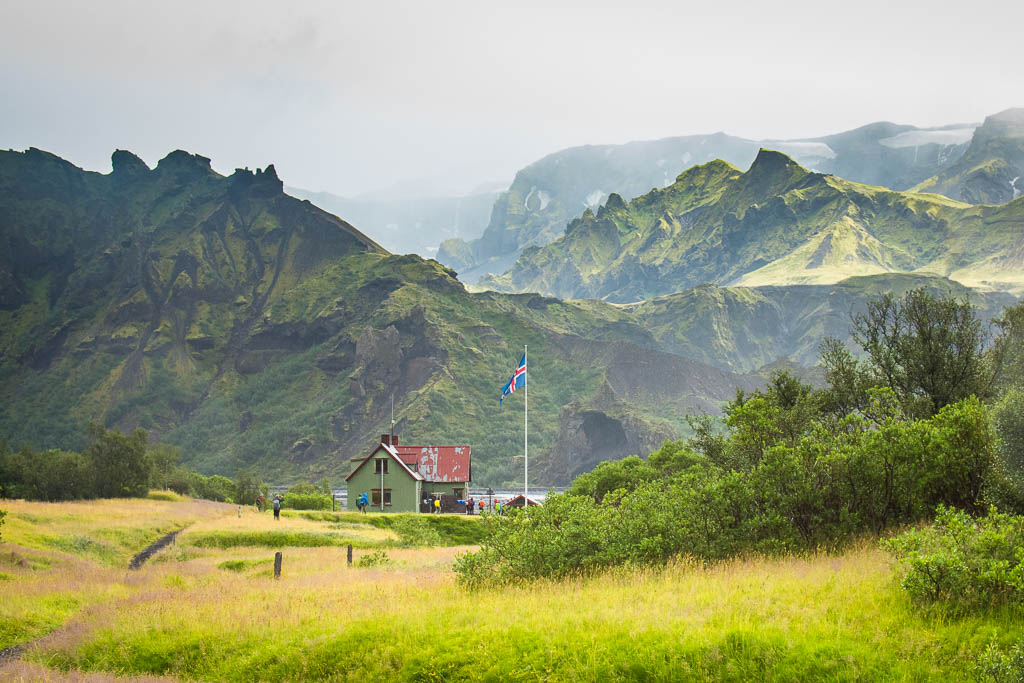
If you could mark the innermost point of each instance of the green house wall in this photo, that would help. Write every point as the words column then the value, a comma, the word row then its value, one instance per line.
column 405, row 491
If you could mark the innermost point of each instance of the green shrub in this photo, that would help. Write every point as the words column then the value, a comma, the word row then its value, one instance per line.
column 963, row 563
column 996, row 666
column 416, row 531
column 306, row 501
column 378, row 558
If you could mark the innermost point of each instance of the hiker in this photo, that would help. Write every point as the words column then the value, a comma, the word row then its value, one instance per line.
column 277, row 508
column 481, row 505
column 437, row 506
column 426, row 504
column 363, row 502
column 469, row 506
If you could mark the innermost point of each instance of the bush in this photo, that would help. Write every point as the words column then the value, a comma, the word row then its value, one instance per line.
column 306, row 501
column 3, row 513
column 963, row 563
column 378, row 558
column 1001, row 667
column 122, row 462
column 416, row 531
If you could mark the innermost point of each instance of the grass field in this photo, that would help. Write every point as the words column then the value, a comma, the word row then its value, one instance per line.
column 216, row 613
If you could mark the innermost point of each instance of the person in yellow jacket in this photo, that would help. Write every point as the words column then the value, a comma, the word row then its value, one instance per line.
column 437, row 506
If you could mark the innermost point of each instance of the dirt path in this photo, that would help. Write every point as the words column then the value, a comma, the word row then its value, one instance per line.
column 153, row 548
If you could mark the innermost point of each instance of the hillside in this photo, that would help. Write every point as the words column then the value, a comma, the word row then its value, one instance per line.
column 253, row 329
column 775, row 224
column 554, row 190
column 991, row 171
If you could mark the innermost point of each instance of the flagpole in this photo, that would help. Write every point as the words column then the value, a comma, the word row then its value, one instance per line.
column 526, row 433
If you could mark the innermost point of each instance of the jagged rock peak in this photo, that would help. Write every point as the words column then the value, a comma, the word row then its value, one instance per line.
column 182, row 160
column 264, row 181
column 127, row 165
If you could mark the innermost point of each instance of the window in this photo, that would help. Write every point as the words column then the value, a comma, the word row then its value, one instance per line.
column 380, row 466
column 375, row 497
column 458, row 493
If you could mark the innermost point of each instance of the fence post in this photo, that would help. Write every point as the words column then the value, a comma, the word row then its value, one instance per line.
column 350, row 553
column 277, row 565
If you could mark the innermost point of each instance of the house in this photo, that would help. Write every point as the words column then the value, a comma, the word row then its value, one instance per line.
column 517, row 502
column 397, row 478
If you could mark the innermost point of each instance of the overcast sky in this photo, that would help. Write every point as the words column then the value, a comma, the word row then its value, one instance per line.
column 349, row 97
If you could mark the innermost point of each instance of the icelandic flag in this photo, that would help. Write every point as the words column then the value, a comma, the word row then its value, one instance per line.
column 518, row 380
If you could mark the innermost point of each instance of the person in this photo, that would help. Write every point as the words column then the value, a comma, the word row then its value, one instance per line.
column 437, row 506
column 481, row 506
column 363, row 502
column 277, row 508
column 426, row 504
column 469, row 506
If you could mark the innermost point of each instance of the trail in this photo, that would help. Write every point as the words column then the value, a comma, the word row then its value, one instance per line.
column 153, row 548
column 14, row 653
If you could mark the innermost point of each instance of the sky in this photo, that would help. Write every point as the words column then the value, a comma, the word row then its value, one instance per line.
column 440, row 97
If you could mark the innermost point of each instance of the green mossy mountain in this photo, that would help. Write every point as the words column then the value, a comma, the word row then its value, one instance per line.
column 554, row 190
column 991, row 171
column 252, row 329
column 775, row 224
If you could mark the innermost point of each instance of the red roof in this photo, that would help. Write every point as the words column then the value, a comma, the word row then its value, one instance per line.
column 517, row 501
column 428, row 463
column 438, row 463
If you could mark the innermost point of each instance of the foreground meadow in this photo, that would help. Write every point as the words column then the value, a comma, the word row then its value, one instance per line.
column 210, row 610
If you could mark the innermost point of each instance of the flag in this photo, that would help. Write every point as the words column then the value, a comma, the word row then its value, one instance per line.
column 518, row 380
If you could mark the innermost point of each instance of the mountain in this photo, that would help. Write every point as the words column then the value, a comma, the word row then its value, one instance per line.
column 552, row 191
column 253, row 329
column 991, row 171
column 413, row 225
column 775, row 224
column 748, row 329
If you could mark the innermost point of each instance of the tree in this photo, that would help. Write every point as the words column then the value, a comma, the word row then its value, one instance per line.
column 247, row 488
column 1007, row 351
column 164, row 457
column 122, row 462
column 930, row 351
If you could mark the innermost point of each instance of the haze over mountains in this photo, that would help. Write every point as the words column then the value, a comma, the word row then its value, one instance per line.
column 552, row 191
column 254, row 329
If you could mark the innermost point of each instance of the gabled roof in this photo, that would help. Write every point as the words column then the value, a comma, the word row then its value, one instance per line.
column 390, row 450
column 517, row 501
column 438, row 463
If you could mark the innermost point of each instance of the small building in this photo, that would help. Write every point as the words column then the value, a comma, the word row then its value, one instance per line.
column 517, row 502
column 398, row 478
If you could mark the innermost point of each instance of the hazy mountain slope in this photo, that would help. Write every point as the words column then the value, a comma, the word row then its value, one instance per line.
column 745, row 329
column 552, row 191
column 991, row 171
column 253, row 329
column 776, row 224
column 410, row 225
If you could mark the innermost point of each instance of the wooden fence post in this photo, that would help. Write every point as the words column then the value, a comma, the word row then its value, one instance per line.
column 350, row 554
column 277, row 565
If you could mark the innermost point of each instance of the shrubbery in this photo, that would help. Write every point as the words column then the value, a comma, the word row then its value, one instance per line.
column 963, row 562
column 306, row 501
column 777, row 482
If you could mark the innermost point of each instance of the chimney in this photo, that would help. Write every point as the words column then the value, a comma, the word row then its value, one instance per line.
column 389, row 440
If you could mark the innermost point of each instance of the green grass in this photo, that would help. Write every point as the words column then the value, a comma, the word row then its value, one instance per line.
column 826, row 617
column 276, row 539
column 453, row 529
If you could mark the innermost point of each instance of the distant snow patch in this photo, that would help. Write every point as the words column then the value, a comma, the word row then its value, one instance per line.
column 1013, row 186
column 687, row 157
column 916, row 138
column 804, row 150
column 593, row 199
